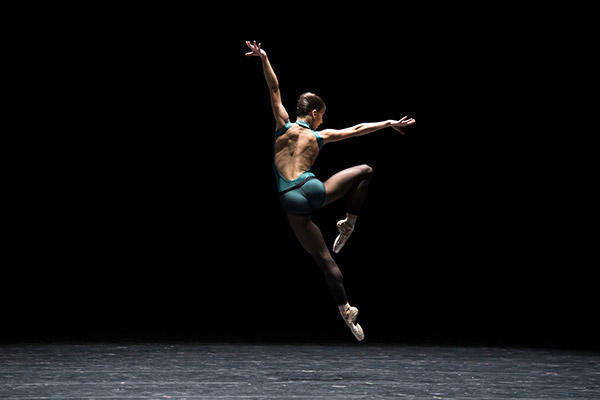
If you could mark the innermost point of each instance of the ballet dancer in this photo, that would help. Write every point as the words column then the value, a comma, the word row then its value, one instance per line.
column 297, row 146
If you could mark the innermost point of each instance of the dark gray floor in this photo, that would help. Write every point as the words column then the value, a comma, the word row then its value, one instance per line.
column 287, row 371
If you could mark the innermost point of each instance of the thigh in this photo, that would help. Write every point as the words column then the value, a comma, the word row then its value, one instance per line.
column 309, row 235
column 341, row 183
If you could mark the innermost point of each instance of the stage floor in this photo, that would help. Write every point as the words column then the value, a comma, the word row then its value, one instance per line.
column 293, row 371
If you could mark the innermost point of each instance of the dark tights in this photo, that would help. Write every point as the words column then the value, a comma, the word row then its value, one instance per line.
column 355, row 182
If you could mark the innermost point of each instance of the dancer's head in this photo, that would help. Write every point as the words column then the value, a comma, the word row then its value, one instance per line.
column 312, row 108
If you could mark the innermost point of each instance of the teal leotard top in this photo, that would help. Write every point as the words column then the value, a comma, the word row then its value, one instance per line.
column 282, row 183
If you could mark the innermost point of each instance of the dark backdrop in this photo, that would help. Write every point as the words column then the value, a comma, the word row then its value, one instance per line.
column 151, row 211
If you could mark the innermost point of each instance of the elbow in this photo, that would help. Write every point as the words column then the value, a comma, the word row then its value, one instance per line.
column 273, row 85
column 358, row 130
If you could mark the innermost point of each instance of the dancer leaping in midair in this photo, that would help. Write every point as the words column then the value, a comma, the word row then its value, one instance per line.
column 297, row 146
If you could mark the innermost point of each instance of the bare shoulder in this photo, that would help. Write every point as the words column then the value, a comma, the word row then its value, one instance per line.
column 329, row 135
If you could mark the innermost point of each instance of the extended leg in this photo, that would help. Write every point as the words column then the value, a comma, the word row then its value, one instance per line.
column 311, row 239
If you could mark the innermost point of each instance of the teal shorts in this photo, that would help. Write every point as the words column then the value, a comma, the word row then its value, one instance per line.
column 303, row 198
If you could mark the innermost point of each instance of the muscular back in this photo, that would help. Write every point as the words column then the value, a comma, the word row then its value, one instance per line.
column 295, row 151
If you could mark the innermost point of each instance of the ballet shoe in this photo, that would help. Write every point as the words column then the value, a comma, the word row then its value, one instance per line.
column 345, row 228
column 349, row 315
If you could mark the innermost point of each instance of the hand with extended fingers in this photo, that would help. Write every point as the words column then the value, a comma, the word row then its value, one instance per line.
column 401, row 123
column 256, row 51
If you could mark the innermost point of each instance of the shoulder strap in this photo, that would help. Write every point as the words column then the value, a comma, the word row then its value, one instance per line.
column 284, row 128
column 319, row 138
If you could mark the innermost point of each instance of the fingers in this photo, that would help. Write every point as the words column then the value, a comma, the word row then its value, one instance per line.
column 250, row 46
column 404, row 122
column 254, row 47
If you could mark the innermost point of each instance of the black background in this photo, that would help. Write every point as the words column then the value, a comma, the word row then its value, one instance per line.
column 149, row 210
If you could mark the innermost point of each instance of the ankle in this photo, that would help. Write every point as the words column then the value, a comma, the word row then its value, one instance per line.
column 351, row 218
column 343, row 308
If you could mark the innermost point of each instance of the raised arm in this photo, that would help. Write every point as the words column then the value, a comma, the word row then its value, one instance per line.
column 279, row 112
column 335, row 135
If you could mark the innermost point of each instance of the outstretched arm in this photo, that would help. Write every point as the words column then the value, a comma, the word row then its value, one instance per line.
column 279, row 112
column 335, row 135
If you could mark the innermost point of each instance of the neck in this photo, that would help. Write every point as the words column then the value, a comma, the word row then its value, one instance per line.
column 307, row 119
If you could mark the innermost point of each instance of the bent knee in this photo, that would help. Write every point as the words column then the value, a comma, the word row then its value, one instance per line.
column 366, row 170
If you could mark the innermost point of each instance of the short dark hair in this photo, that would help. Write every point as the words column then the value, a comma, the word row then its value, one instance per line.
column 307, row 102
